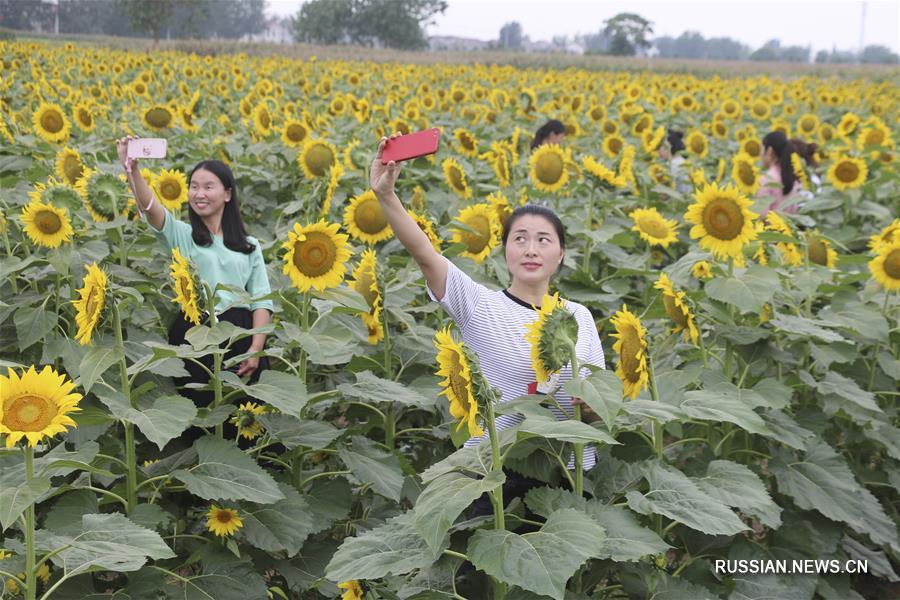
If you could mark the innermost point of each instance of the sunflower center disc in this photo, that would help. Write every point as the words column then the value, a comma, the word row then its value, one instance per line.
column 631, row 345
column 475, row 242
column 369, row 217
column 455, row 177
column 73, row 169
column 85, row 117
column 818, row 253
column 296, row 133
column 459, row 385
column 723, row 219
column 48, row 222
column 159, row 117
column 315, row 255
column 170, row 190
column 654, row 227
column 52, row 121
column 675, row 312
column 29, row 413
column 549, row 168
column 319, row 159
column 745, row 172
column 892, row 264
column 847, row 172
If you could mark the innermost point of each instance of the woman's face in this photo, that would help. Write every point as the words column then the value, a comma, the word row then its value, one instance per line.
column 768, row 157
column 207, row 195
column 555, row 138
column 533, row 251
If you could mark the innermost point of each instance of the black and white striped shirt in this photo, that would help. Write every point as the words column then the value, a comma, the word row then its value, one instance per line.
column 492, row 324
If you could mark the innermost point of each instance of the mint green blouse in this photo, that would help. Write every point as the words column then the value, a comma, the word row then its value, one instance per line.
column 217, row 263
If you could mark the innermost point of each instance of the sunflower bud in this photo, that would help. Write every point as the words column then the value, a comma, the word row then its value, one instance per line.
column 552, row 337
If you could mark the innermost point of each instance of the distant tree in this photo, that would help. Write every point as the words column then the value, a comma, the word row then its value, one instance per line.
column 768, row 52
column 878, row 55
column 627, row 33
column 150, row 17
column 794, row 54
column 511, row 36
column 821, row 56
column 26, row 14
column 324, row 22
column 594, row 43
column 724, row 48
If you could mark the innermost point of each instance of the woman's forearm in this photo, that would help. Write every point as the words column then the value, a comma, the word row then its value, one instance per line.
column 261, row 316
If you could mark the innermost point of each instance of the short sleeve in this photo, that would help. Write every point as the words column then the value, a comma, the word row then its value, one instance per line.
column 258, row 284
column 173, row 233
column 461, row 294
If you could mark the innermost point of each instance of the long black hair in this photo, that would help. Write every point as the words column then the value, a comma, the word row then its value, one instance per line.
column 234, row 235
column 778, row 142
column 551, row 126
column 676, row 141
column 541, row 211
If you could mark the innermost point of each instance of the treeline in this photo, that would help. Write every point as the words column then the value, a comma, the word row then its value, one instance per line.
column 195, row 19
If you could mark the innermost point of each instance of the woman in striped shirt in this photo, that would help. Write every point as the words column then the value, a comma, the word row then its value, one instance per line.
column 491, row 322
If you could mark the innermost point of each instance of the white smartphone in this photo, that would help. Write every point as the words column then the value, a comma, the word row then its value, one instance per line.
column 147, row 148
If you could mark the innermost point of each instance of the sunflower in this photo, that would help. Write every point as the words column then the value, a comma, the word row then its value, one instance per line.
column 262, row 120
column 790, row 252
column 36, row 405
column 365, row 282
column 808, row 124
column 751, row 146
column 701, row 270
column 103, row 194
column 5, row 133
column 69, row 166
column 171, row 188
column 602, row 173
column 819, row 250
column 799, row 171
column 659, row 175
column 631, row 346
column 697, row 144
column 721, row 220
column 653, row 228
column 552, row 337
column 876, row 134
column 612, row 145
column 352, row 590
column 246, row 420
column 316, row 157
column 626, row 167
column 885, row 267
column 847, row 173
column 83, row 117
column 348, row 153
column 548, row 168
column 677, row 308
column 185, row 287
column 466, row 142
column 500, row 164
column 889, row 234
column 847, row 125
column 334, row 178
column 223, row 521
column 365, row 220
column 158, row 117
column 501, row 207
column 454, row 366
column 427, row 227
column 89, row 306
column 316, row 256
column 760, row 109
column 456, row 178
column 46, row 225
column 294, row 133
column 745, row 173
column 50, row 123
column 481, row 234
column 651, row 140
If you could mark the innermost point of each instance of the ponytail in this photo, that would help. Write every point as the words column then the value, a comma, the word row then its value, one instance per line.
column 778, row 142
column 551, row 126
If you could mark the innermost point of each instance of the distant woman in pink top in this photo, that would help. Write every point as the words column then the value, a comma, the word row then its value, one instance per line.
column 778, row 185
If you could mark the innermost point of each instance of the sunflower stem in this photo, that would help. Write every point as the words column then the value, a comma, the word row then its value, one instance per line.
column 496, row 465
column 589, row 242
column 657, row 428
column 304, row 325
column 218, row 355
column 577, row 449
column 130, row 457
column 12, row 279
column 30, row 576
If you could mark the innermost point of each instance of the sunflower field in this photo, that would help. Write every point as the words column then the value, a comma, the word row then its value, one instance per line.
column 748, row 410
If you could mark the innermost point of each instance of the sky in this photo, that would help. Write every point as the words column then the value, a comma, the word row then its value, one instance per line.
column 820, row 24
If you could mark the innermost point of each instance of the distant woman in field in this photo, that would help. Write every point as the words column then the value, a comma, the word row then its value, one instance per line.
column 551, row 132
column 779, row 186
column 218, row 245
column 673, row 154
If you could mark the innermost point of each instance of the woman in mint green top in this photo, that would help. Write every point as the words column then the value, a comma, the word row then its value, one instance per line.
column 217, row 243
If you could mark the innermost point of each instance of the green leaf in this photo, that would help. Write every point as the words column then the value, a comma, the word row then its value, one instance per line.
column 878, row 563
column 748, row 291
column 370, row 464
column 566, row 431
column 650, row 409
column 541, row 562
column 735, row 485
column 444, row 499
column 224, row 472
column 722, row 404
column 280, row 527
column 164, row 421
column 394, row 548
column 345, row 296
column 109, row 541
column 626, row 539
column 864, row 319
column 32, row 325
column 674, row 495
column 806, row 328
column 371, row 389
column 786, row 430
column 602, row 391
column 212, row 416
column 284, row 391
column 203, row 337
column 224, row 578
column 848, row 389
column 822, row 481
column 68, row 508
column 328, row 343
column 95, row 363
column 15, row 499
column 293, row 433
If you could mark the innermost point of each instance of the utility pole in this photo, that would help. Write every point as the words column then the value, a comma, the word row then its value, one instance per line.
column 862, row 31
column 56, row 18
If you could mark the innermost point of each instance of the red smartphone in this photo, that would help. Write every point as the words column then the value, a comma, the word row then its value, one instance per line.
column 411, row 145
